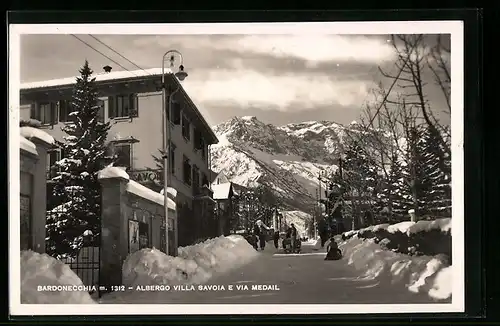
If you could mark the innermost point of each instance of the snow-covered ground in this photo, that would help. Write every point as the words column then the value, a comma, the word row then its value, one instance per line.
column 418, row 274
column 195, row 264
column 47, row 280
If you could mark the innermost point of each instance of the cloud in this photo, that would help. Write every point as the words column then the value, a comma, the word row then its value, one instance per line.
column 284, row 92
column 309, row 47
column 318, row 48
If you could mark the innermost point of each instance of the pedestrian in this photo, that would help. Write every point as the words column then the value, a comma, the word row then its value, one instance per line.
column 322, row 230
column 262, row 237
column 293, row 236
column 332, row 250
column 276, row 238
column 256, row 234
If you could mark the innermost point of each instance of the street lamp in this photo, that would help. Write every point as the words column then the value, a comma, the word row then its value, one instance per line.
column 181, row 75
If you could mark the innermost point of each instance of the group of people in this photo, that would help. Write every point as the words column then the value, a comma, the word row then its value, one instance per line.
column 291, row 236
column 259, row 237
column 259, row 232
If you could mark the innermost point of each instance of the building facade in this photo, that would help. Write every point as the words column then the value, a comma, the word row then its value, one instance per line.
column 232, row 207
column 132, row 102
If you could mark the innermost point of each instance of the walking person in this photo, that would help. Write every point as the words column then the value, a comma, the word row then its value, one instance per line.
column 256, row 234
column 276, row 238
column 262, row 237
column 293, row 236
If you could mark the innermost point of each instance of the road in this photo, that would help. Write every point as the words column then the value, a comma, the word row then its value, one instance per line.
column 300, row 279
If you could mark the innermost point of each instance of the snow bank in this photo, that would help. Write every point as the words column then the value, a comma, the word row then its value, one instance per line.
column 442, row 224
column 42, row 270
column 34, row 133
column 420, row 238
column 400, row 227
column 421, row 274
column 195, row 264
column 28, row 146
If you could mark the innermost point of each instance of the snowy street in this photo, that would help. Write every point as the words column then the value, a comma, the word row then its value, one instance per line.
column 302, row 279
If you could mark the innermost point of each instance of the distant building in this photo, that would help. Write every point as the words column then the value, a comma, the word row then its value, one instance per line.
column 132, row 101
column 229, row 206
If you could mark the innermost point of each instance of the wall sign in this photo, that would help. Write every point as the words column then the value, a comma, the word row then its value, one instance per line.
column 146, row 175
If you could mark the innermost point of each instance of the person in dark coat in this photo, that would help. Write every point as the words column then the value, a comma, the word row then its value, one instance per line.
column 276, row 238
column 293, row 236
column 262, row 237
column 323, row 232
column 256, row 234
column 332, row 250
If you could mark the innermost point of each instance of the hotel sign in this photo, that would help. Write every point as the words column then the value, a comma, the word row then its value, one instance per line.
column 146, row 175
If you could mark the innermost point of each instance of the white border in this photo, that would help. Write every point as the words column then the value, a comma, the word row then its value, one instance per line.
column 455, row 28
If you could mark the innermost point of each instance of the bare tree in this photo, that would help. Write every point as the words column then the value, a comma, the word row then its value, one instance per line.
column 413, row 57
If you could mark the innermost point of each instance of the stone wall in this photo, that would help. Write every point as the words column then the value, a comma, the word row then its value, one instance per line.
column 133, row 218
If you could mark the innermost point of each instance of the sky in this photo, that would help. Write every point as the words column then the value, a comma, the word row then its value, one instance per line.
column 279, row 79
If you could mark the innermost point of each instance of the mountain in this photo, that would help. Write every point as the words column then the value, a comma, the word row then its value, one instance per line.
column 287, row 158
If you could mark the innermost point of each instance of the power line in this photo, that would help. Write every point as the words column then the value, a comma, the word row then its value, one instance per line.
column 121, row 55
column 90, row 46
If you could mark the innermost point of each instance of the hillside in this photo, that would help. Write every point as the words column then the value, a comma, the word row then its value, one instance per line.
column 287, row 158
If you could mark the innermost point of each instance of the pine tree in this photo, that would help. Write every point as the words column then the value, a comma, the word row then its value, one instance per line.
column 436, row 195
column 360, row 177
column 76, row 184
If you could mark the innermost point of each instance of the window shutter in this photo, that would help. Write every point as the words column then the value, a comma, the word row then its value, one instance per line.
column 134, row 100
column 100, row 112
column 111, row 107
column 63, row 112
column 33, row 111
column 53, row 113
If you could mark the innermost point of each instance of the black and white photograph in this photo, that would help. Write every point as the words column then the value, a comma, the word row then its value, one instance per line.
column 278, row 168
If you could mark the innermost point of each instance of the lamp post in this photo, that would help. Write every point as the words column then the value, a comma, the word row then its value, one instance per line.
column 181, row 75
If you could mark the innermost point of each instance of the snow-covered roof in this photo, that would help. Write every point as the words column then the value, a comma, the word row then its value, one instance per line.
column 221, row 191
column 34, row 133
column 28, row 146
column 124, row 74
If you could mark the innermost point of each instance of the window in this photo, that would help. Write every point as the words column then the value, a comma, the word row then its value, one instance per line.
column 45, row 112
column 196, row 180
column 123, row 155
column 176, row 113
column 65, row 110
column 172, row 158
column 123, row 106
column 53, row 156
column 186, row 128
column 100, row 113
column 198, row 143
column 186, row 167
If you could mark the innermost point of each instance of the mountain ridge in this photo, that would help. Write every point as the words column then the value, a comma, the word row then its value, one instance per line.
column 286, row 158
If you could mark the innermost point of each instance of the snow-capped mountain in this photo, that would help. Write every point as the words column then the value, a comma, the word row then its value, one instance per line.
column 287, row 158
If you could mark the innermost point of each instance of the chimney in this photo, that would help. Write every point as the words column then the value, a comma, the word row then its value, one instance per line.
column 107, row 69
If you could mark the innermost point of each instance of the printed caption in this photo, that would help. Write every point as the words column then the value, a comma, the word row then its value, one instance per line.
column 161, row 288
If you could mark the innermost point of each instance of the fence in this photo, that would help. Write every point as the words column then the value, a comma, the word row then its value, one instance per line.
column 84, row 262
column 86, row 265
